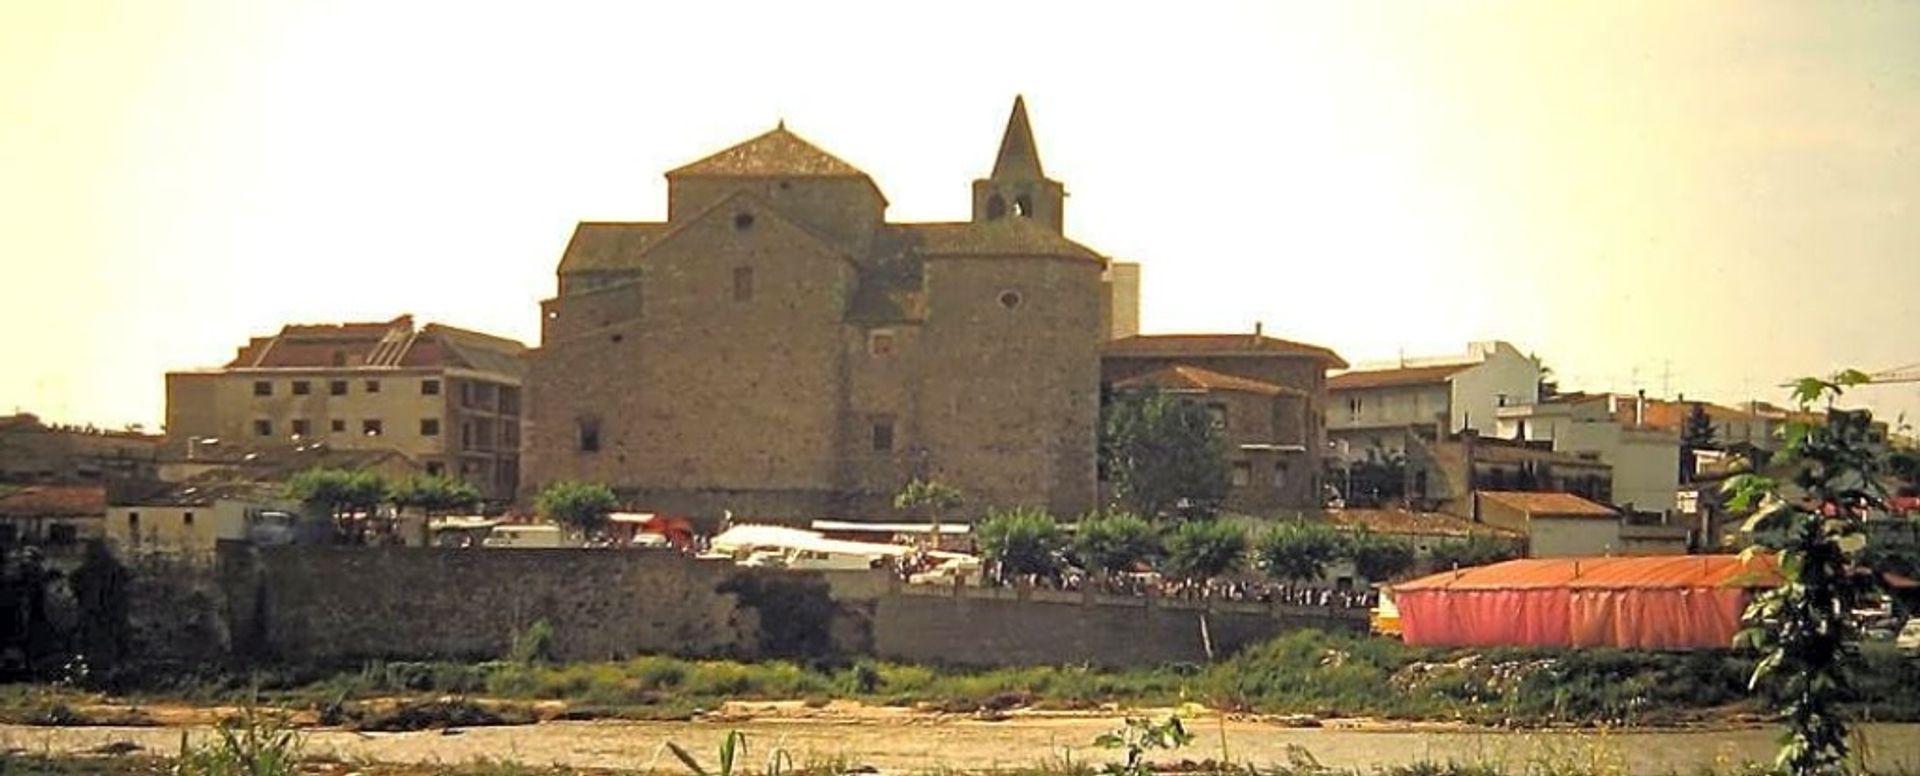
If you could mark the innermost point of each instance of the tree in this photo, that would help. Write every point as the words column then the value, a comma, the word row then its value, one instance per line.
column 1298, row 551
column 1696, row 434
column 1204, row 549
column 933, row 496
column 1380, row 558
column 435, row 494
column 340, row 494
column 1116, row 543
column 1473, row 551
column 1165, row 456
column 1804, row 629
column 1021, row 541
column 581, row 506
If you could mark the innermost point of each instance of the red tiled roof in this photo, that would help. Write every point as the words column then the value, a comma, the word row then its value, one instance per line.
column 775, row 153
column 1163, row 345
column 1602, row 573
column 1547, row 504
column 1184, row 377
column 54, row 501
column 1389, row 378
column 395, row 343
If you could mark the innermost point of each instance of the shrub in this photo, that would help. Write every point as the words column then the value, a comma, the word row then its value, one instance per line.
column 1022, row 541
column 1204, row 549
column 1297, row 551
column 1115, row 543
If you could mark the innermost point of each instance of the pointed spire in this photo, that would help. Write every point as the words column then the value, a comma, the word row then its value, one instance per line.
column 1018, row 157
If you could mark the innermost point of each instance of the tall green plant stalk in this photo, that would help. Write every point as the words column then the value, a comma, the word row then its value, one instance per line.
column 1808, row 507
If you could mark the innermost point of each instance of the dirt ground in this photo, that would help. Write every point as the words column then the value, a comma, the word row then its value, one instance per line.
column 896, row 740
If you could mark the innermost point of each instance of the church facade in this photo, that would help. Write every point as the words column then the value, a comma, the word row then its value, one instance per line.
column 777, row 348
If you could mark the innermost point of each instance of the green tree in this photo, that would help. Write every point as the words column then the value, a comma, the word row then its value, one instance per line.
column 1804, row 628
column 1021, row 541
column 340, row 494
column 1204, row 549
column 1695, row 435
column 1116, row 543
column 933, row 497
column 435, row 495
column 1165, row 456
column 580, row 506
column 1296, row 551
column 1473, row 551
column 1380, row 558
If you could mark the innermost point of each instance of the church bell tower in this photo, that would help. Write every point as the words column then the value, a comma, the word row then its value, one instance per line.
column 1018, row 188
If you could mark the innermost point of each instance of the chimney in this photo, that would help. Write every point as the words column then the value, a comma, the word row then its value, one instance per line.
column 1258, row 327
column 1640, row 409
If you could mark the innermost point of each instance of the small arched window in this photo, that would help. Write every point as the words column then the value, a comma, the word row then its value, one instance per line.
column 1023, row 207
column 996, row 207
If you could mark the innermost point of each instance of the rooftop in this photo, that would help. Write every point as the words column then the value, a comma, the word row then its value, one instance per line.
column 1604, row 573
column 1192, row 378
column 393, row 344
column 1547, row 504
column 1393, row 378
column 54, row 501
column 1176, row 345
column 776, row 153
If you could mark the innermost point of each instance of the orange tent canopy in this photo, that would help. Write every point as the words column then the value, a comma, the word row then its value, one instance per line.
column 1654, row 572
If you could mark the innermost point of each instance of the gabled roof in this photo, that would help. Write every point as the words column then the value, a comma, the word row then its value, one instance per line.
column 999, row 237
column 1176, row 345
column 774, row 154
column 1392, row 378
column 608, row 246
column 394, row 344
column 483, row 352
column 54, row 501
column 1184, row 377
column 1547, row 504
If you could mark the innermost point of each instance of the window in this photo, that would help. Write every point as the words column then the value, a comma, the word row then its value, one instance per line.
column 373, row 386
column 301, row 427
column 1023, row 206
column 1279, row 476
column 302, row 387
column 743, row 221
column 1010, row 299
column 429, row 387
column 186, row 518
column 436, row 469
column 1353, row 409
column 338, row 426
column 62, row 533
column 883, row 434
column 370, row 427
column 588, row 434
column 262, row 388
column 742, row 284
column 1242, row 474
column 880, row 343
column 429, row 427
column 263, row 428
column 133, row 522
column 1217, row 412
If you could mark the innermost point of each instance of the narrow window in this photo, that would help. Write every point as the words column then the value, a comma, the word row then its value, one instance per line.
column 429, row 427
column 337, row 426
column 883, row 434
column 263, row 428
column 588, row 437
column 262, row 388
column 186, row 518
column 301, row 427
column 1217, row 413
column 742, row 284
column 1242, row 474
column 370, row 427
column 1023, row 206
column 429, row 387
column 373, row 386
column 1279, row 476
column 302, row 387
column 880, row 343
column 337, row 387
column 133, row 522
column 436, row 469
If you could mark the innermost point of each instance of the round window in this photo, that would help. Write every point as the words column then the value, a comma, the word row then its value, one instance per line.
column 743, row 221
column 1010, row 299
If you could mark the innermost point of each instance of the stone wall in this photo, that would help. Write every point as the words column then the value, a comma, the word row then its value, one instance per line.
column 986, row 627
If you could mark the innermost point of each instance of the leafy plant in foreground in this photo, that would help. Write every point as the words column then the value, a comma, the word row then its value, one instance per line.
column 1138, row 736
column 1804, row 628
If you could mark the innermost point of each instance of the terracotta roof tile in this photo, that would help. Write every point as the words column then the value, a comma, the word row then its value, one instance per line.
column 1549, row 504
column 1175, row 345
column 1389, row 378
column 776, row 153
column 54, row 501
column 1184, row 377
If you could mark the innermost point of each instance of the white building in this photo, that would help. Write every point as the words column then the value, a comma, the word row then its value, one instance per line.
column 1613, row 429
column 1376, row 406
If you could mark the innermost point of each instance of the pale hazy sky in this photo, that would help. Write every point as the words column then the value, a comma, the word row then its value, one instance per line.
column 1681, row 197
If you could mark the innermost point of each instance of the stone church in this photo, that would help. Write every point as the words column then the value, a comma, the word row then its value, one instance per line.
column 777, row 348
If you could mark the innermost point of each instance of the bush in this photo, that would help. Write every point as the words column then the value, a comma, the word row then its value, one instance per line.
column 1115, row 543
column 1022, row 541
column 1297, row 551
column 1380, row 558
column 533, row 645
column 1204, row 549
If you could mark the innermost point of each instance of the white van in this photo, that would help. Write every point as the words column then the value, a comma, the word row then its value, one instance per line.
column 540, row 535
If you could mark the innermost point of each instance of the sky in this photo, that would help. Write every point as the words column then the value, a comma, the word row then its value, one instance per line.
column 1685, row 198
